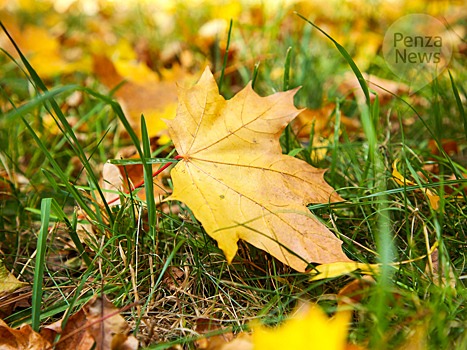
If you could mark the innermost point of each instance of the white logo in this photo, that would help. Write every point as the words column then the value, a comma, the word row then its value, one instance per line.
column 417, row 48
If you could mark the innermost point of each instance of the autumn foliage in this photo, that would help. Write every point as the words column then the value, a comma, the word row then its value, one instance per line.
column 226, row 175
column 233, row 175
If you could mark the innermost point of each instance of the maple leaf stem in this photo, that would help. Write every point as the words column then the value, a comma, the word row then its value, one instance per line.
column 141, row 183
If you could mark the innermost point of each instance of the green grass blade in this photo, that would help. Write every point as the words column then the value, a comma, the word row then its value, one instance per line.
column 40, row 263
column 255, row 75
column 139, row 161
column 460, row 106
column 286, row 82
column 40, row 100
column 285, row 87
column 347, row 57
column 226, row 54
column 59, row 172
column 73, row 234
column 149, row 186
column 67, row 130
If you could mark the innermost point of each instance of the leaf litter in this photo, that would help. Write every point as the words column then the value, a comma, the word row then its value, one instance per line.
column 97, row 325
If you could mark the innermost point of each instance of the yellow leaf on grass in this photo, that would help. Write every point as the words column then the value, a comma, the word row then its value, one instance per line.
column 237, row 182
column 308, row 329
column 336, row 269
column 342, row 268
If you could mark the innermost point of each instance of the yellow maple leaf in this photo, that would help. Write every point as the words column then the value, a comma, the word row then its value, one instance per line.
column 237, row 182
column 310, row 328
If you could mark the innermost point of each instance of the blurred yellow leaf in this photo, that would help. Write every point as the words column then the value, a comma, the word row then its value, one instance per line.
column 155, row 100
column 41, row 48
column 125, row 61
column 309, row 328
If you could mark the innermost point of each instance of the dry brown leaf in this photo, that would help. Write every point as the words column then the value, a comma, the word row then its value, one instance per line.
column 108, row 328
column 241, row 342
column 215, row 342
column 319, row 123
column 174, row 278
column 74, row 336
column 98, row 324
column 112, row 180
column 440, row 277
column 21, row 339
column 237, row 182
column 116, row 178
column 354, row 291
column 20, row 298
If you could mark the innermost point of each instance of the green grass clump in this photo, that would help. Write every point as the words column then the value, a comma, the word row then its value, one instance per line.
column 58, row 233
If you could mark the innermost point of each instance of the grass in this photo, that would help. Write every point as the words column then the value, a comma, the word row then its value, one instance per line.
column 163, row 259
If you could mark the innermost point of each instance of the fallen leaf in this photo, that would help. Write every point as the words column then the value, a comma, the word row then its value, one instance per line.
column 336, row 269
column 108, row 328
column 97, row 325
column 416, row 338
column 21, row 339
column 42, row 49
column 309, row 328
column 451, row 147
column 156, row 100
column 241, row 342
column 9, row 302
column 318, row 122
column 354, row 291
column 112, row 181
column 8, row 282
column 440, row 276
column 73, row 336
column 234, row 177
column 117, row 177
column 214, row 342
column 174, row 278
